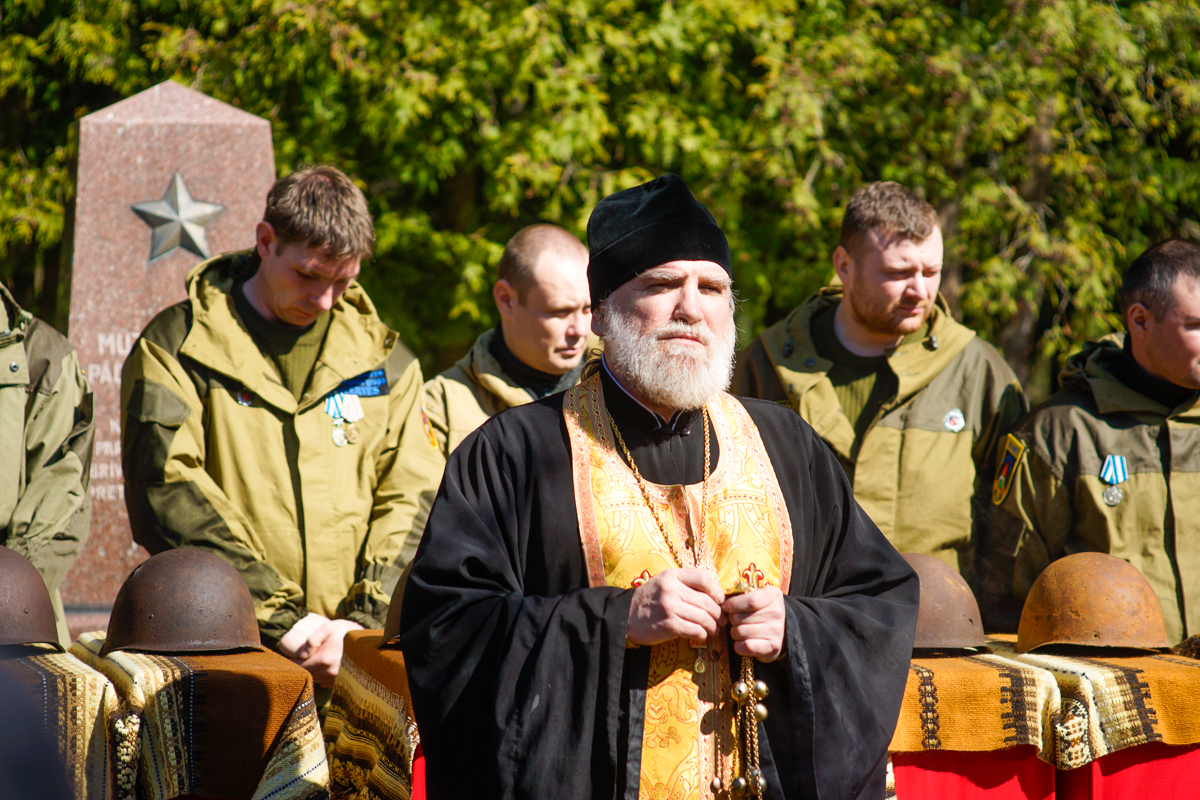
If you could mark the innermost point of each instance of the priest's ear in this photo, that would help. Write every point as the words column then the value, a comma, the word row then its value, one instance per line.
column 506, row 297
column 599, row 320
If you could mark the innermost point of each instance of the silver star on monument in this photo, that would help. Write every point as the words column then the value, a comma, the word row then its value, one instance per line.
column 178, row 221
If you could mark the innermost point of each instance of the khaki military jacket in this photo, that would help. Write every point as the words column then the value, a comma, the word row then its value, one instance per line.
column 218, row 453
column 461, row 399
column 1056, row 493
column 924, row 468
column 46, row 435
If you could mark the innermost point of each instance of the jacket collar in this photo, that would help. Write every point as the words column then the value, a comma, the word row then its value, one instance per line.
column 800, row 367
column 482, row 367
column 13, row 319
column 1091, row 370
column 357, row 340
column 13, row 323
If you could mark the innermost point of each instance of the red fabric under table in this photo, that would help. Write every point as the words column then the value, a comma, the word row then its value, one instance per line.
column 1012, row 774
column 1152, row 771
column 419, row 774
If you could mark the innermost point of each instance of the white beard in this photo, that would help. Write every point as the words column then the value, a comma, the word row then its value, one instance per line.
column 663, row 373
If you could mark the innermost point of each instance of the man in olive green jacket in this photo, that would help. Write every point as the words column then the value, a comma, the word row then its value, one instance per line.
column 1111, row 463
column 46, row 434
column 273, row 419
column 912, row 402
column 536, row 350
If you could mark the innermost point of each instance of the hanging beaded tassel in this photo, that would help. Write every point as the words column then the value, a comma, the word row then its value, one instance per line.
column 748, row 693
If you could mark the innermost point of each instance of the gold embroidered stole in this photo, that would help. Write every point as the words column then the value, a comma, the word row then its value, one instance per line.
column 748, row 536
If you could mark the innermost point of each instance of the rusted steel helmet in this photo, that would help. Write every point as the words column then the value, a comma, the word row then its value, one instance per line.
column 183, row 601
column 26, row 613
column 1091, row 599
column 949, row 616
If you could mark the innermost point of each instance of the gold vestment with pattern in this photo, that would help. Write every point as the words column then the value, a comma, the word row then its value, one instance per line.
column 748, row 537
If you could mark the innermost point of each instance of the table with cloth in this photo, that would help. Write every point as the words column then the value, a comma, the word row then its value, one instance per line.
column 79, row 708
column 974, row 726
column 221, row 725
column 370, row 730
column 1129, row 724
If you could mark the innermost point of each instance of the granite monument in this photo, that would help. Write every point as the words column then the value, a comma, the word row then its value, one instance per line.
column 164, row 179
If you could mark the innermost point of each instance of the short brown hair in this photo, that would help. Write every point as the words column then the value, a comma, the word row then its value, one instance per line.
column 889, row 207
column 1150, row 279
column 523, row 249
column 321, row 207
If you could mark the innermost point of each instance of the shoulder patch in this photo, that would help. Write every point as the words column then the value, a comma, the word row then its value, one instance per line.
column 170, row 327
column 1014, row 449
column 45, row 351
column 397, row 362
column 368, row 384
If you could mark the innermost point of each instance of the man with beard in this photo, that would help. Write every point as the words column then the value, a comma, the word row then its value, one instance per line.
column 912, row 403
column 645, row 586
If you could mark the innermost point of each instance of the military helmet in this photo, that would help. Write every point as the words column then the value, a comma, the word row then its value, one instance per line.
column 949, row 615
column 183, row 601
column 1091, row 599
column 26, row 613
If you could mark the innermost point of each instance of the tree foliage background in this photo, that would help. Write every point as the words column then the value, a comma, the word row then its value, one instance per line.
column 1057, row 138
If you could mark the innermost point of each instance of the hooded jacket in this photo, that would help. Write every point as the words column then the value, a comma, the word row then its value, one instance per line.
column 46, row 434
column 459, row 400
column 1056, row 492
column 924, row 466
column 218, row 453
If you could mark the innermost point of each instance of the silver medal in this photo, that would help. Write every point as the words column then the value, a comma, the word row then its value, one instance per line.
column 339, row 436
column 1113, row 495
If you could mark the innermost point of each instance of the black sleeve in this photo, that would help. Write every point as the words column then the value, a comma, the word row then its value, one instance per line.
column 513, row 677
column 520, row 679
column 851, row 616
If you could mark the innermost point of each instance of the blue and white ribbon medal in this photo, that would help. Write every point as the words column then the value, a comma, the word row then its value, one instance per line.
column 1114, row 472
column 345, row 409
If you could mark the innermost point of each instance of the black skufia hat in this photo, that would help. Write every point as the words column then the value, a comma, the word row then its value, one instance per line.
column 639, row 228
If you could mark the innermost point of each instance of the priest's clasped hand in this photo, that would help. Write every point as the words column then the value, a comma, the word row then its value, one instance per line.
column 688, row 604
column 675, row 604
column 757, row 621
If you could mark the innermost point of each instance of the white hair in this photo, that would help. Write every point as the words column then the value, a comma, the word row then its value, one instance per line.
column 664, row 373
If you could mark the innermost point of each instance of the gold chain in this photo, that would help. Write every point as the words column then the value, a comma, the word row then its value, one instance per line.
column 699, row 550
column 748, row 694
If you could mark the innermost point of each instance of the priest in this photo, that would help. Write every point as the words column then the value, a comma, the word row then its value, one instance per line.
column 645, row 587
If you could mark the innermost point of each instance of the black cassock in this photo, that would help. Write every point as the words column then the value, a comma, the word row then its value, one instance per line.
column 520, row 678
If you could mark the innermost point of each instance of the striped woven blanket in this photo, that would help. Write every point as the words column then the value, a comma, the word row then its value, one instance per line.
column 976, row 703
column 220, row 725
column 370, row 730
column 79, row 708
column 1113, row 702
column 1189, row 648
